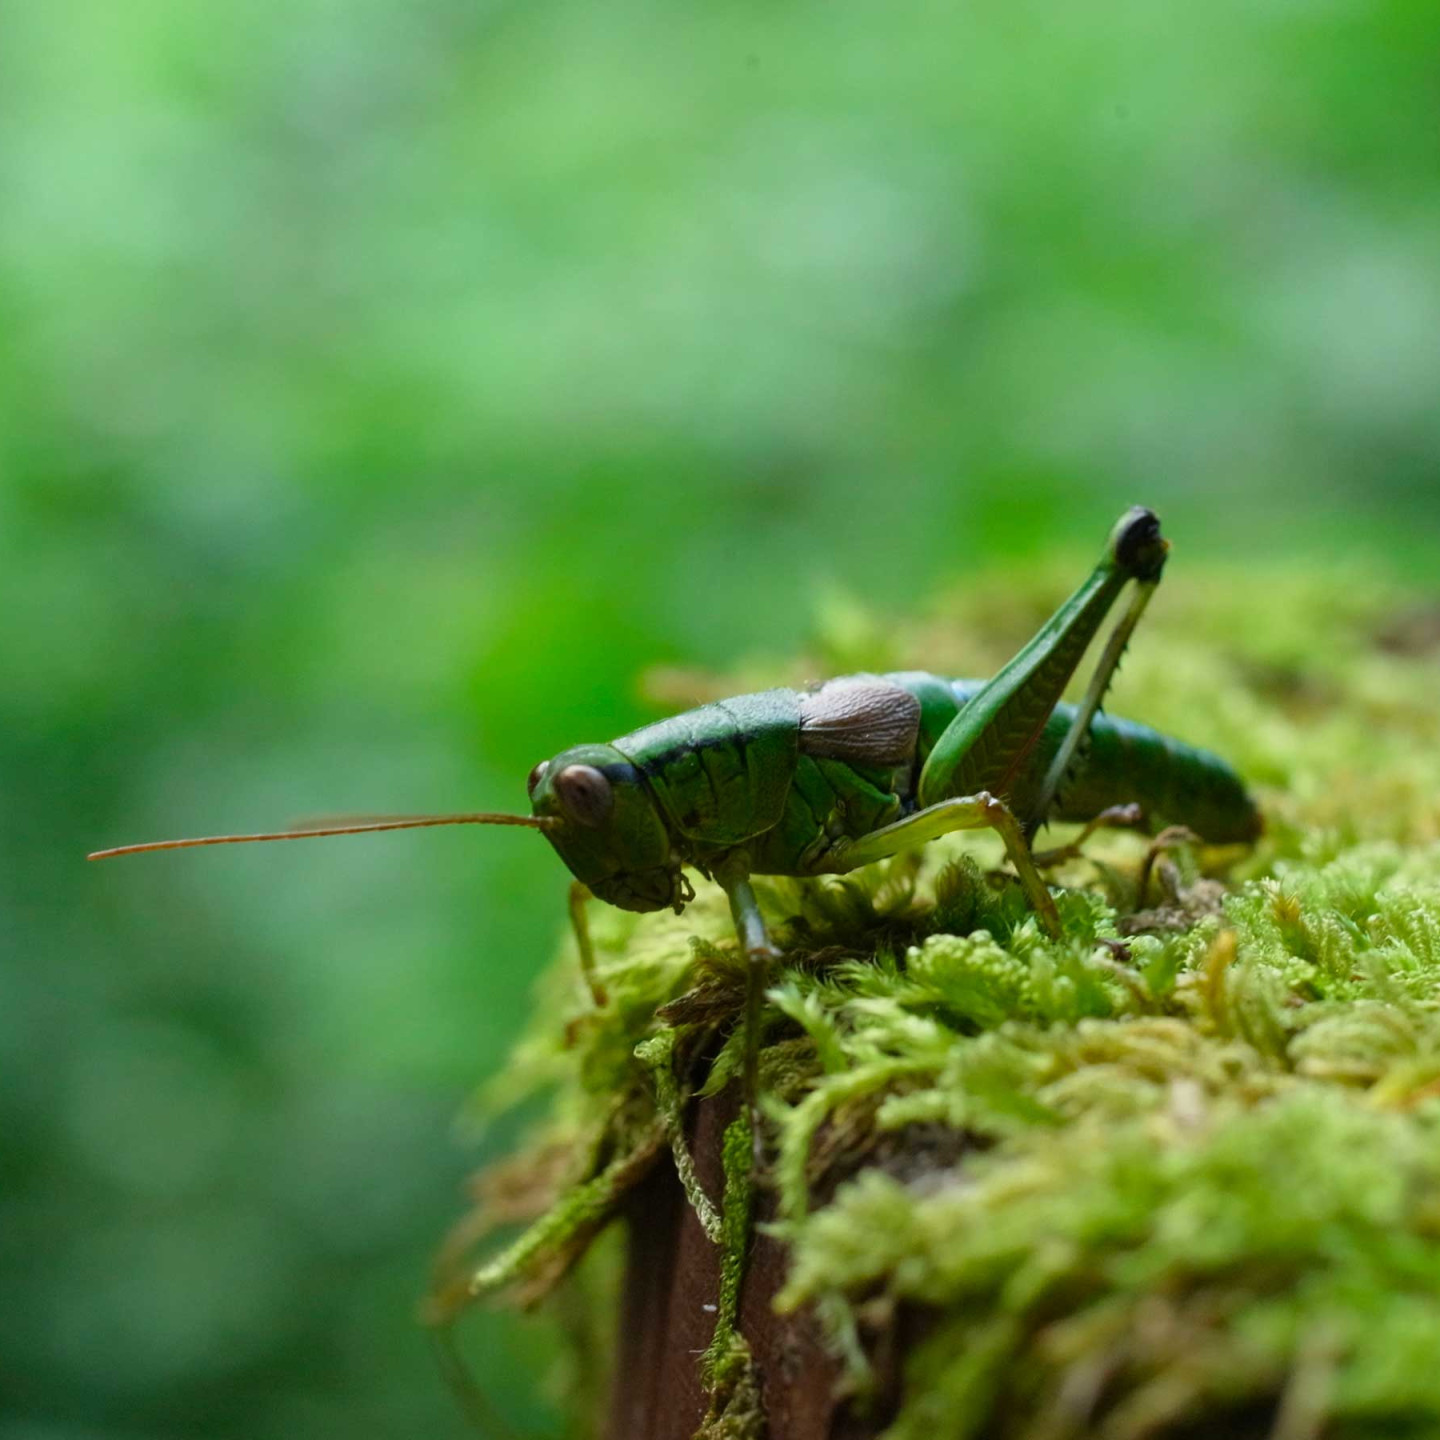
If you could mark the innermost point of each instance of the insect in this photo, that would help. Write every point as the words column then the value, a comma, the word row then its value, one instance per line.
column 827, row 780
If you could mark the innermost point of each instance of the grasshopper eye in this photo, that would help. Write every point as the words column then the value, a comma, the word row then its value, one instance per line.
column 536, row 776
column 585, row 795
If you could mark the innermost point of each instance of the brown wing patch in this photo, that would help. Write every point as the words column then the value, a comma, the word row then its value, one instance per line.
column 860, row 719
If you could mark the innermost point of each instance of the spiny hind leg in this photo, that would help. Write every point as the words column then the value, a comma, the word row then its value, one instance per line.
column 966, row 812
column 1105, row 669
column 990, row 744
column 1113, row 817
column 988, row 749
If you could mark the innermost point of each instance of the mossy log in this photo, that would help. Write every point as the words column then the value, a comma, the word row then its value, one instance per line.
column 1174, row 1175
column 668, row 1311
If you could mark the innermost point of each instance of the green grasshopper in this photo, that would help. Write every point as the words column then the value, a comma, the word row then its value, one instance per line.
column 824, row 781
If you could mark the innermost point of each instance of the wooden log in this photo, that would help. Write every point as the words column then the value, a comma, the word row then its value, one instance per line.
column 667, row 1317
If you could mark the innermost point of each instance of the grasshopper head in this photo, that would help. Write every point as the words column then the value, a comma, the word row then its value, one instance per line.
column 604, row 825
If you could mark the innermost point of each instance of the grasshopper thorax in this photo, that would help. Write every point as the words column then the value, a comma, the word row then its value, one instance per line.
column 602, row 820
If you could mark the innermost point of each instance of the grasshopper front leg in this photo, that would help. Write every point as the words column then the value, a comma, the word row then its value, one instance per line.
column 760, row 953
column 986, row 754
column 580, row 926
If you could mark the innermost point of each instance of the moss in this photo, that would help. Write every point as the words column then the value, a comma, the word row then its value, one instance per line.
column 736, row 1409
column 1177, row 1173
column 728, row 1353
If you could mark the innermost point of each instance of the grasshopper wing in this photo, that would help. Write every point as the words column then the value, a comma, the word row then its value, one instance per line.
column 861, row 719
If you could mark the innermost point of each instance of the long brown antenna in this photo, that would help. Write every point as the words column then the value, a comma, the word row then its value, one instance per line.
column 408, row 822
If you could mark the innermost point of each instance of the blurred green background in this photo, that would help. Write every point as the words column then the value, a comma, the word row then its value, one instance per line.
column 383, row 386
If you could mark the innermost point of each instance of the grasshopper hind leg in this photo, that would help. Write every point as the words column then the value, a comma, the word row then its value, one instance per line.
column 1069, row 750
column 987, row 754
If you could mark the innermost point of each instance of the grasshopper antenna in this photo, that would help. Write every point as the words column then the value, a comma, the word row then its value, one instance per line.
column 305, row 832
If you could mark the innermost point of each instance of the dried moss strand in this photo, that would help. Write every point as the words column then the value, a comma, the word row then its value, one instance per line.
column 658, row 1057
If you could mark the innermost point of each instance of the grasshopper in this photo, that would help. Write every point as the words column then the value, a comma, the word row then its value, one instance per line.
column 858, row 769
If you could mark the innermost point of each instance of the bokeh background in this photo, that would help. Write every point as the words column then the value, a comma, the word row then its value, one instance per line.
column 384, row 385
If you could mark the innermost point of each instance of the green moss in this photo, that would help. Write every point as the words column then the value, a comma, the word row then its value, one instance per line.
column 1192, row 1179
column 728, row 1353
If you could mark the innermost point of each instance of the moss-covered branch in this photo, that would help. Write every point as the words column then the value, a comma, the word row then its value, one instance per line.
column 1175, row 1174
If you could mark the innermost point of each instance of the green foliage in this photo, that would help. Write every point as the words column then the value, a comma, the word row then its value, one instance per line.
column 1175, row 1170
column 1130, row 1276
column 385, row 384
